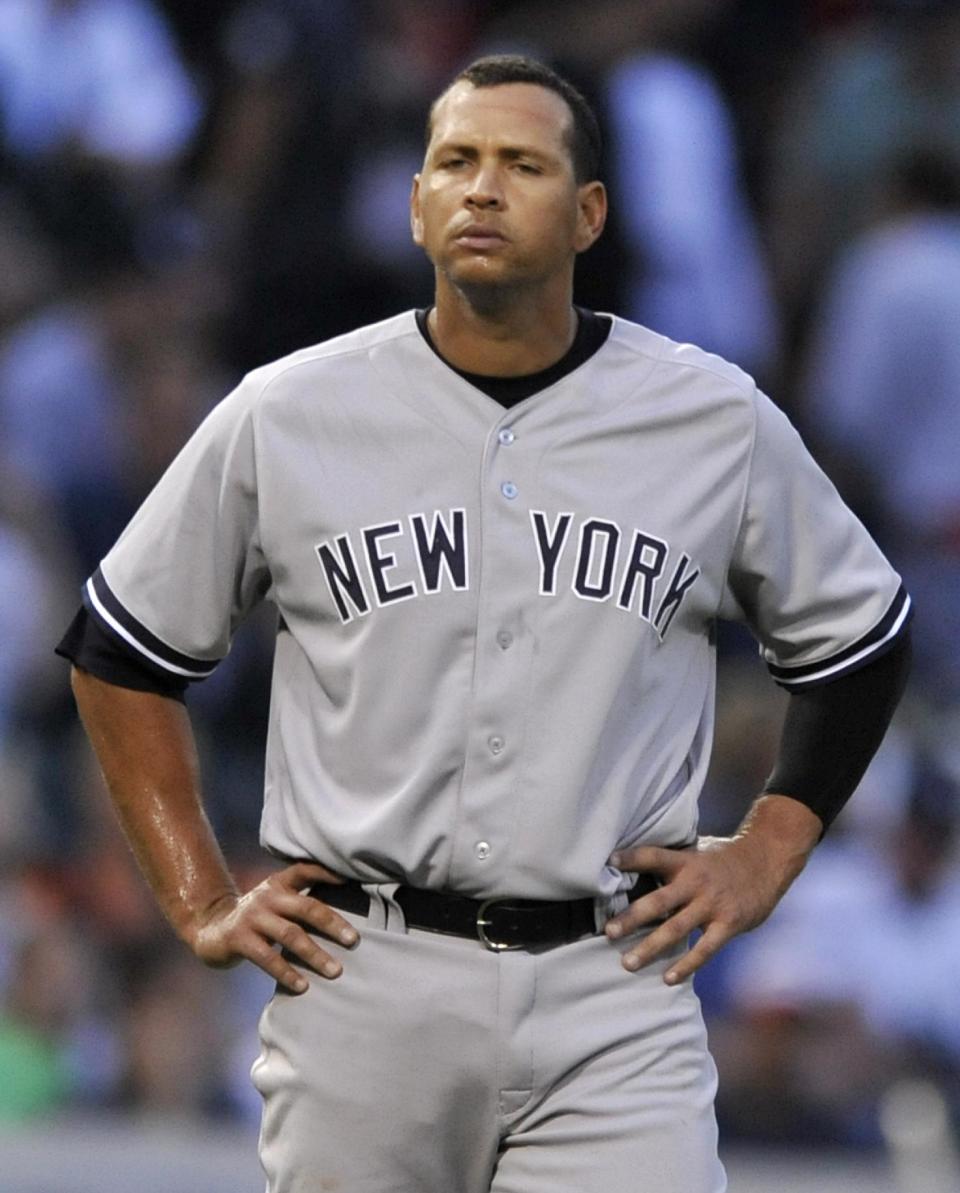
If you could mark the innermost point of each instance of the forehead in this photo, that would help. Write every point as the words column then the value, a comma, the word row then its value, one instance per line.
column 510, row 111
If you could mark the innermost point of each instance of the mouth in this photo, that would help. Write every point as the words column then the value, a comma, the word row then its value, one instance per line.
column 479, row 236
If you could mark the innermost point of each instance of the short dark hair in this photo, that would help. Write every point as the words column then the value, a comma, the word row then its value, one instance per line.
column 497, row 69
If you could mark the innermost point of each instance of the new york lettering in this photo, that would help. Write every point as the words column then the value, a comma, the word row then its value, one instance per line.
column 440, row 551
column 628, row 568
column 599, row 573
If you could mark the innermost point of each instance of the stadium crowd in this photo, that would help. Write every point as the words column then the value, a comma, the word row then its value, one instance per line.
column 189, row 190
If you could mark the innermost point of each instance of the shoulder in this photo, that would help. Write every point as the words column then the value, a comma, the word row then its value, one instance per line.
column 682, row 373
column 273, row 392
column 327, row 358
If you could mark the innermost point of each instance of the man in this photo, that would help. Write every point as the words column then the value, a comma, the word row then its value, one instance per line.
column 498, row 535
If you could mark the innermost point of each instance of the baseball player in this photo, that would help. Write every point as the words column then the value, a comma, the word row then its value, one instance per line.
column 498, row 533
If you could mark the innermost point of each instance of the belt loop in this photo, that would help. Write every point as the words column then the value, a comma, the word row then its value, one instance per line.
column 385, row 913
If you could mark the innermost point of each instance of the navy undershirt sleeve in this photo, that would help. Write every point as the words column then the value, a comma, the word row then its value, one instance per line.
column 92, row 649
column 831, row 732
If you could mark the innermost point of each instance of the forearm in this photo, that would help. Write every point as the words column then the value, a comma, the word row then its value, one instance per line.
column 831, row 733
column 145, row 746
column 146, row 749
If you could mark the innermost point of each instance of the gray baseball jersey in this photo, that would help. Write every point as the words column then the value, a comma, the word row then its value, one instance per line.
column 495, row 654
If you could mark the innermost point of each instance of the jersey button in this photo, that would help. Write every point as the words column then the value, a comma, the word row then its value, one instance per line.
column 504, row 639
column 482, row 850
column 496, row 744
column 506, row 436
column 509, row 490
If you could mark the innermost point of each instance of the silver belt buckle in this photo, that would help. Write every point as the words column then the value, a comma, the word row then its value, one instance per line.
column 495, row 946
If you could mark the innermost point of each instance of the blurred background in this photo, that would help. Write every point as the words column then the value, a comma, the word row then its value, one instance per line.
column 189, row 190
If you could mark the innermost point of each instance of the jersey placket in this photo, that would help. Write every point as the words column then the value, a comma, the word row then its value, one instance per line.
column 481, row 848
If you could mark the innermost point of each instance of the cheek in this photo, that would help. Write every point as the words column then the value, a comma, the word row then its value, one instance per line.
column 554, row 227
column 434, row 216
column 422, row 233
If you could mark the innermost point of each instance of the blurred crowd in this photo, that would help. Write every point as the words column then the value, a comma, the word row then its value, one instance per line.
column 189, row 190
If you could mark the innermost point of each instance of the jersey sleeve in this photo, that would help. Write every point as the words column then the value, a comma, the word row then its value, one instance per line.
column 190, row 566
column 805, row 575
column 88, row 646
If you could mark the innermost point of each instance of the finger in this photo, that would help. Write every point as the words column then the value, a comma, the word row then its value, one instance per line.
column 258, row 943
column 303, row 874
column 291, row 905
column 671, row 932
column 649, row 859
column 300, row 944
column 651, row 909
column 265, row 957
column 323, row 919
column 313, row 912
column 710, row 943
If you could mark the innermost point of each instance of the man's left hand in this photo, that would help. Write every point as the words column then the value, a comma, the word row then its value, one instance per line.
column 722, row 885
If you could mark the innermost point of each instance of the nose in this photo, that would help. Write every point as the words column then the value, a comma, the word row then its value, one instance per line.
column 486, row 193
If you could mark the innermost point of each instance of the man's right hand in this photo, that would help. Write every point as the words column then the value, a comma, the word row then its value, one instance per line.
column 275, row 912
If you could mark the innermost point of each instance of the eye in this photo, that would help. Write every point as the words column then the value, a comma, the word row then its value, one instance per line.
column 452, row 163
column 528, row 168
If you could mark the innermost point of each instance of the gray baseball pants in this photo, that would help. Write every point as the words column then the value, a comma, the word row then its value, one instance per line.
column 433, row 1065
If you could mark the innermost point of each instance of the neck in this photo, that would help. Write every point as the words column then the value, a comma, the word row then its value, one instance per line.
column 501, row 334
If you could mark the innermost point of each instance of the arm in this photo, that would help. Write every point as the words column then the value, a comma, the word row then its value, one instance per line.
column 145, row 746
column 728, row 885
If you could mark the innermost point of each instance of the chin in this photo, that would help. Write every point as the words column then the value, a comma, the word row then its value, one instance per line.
column 485, row 293
column 482, row 274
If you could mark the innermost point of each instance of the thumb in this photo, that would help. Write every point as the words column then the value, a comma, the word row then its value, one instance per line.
column 304, row 874
column 649, row 859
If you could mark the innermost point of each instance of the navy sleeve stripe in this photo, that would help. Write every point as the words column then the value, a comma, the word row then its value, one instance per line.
column 873, row 644
column 109, row 612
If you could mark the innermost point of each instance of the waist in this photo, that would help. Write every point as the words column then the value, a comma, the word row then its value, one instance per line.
column 500, row 923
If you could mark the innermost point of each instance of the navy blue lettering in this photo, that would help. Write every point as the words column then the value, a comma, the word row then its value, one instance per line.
column 343, row 578
column 549, row 547
column 647, row 557
column 380, row 564
column 680, row 582
column 588, row 534
column 445, row 549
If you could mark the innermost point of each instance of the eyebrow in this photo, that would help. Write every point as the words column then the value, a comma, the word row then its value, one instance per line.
column 507, row 152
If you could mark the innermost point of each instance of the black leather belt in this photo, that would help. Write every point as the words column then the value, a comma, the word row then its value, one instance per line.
column 500, row 924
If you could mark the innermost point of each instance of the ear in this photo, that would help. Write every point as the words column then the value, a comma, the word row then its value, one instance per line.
column 591, row 216
column 416, row 222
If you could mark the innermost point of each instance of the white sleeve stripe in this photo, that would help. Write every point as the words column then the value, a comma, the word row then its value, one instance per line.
column 851, row 661
column 125, row 634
